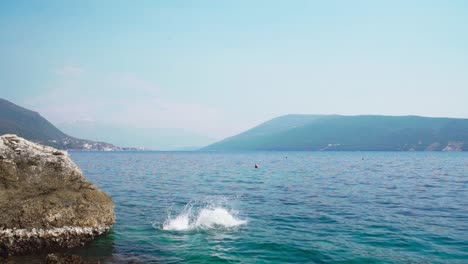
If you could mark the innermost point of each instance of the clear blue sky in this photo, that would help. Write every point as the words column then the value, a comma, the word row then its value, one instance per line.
column 216, row 68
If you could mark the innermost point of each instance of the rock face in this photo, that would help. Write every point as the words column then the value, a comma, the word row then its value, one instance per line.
column 66, row 259
column 45, row 202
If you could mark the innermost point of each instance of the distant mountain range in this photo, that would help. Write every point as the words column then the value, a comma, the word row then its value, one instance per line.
column 31, row 125
column 353, row 133
column 130, row 135
column 290, row 132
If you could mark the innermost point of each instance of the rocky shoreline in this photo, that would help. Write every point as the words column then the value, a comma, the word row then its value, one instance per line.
column 23, row 241
column 45, row 201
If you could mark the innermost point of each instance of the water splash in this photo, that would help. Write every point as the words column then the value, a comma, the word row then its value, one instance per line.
column 209, row 216
column 180, row 223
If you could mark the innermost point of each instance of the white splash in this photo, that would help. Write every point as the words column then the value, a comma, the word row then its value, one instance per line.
column 210, row 218
column 180, row 223
column 207, row 217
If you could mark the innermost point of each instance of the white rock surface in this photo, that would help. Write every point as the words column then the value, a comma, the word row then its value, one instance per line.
column 45, row 201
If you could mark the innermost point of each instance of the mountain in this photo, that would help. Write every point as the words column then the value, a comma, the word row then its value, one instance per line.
column 363, row 133
column 130, row 135
column 31, row 125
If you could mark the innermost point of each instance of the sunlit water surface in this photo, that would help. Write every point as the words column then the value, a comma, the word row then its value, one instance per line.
column 298, row 207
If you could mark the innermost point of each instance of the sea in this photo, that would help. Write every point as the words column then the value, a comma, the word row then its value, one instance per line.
column 296, row 207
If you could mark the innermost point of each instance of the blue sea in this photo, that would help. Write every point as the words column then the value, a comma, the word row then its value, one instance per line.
column 297, row 207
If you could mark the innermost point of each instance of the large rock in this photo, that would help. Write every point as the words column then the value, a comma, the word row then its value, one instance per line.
column 66, row 259
column 45, row 202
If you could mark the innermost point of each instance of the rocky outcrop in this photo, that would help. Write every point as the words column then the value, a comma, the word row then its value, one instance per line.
column 45, row 202
column 66, row 259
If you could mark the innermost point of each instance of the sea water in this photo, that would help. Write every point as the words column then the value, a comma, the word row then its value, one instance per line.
column 297, row 207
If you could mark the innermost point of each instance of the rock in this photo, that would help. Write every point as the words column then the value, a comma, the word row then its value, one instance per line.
column 66, row 259
column 45, row 202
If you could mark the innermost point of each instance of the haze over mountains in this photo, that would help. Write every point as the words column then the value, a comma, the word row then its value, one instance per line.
column 290, row 132
column 364, row 133
column 144, row 137
column 31, row 125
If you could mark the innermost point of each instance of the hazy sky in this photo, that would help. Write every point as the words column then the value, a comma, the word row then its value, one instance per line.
column 216, row 68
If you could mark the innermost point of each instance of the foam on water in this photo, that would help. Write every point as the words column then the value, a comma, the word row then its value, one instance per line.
column 207, row 217
column 180, row 223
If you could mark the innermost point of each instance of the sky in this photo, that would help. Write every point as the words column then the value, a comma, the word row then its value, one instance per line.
column 205, row 70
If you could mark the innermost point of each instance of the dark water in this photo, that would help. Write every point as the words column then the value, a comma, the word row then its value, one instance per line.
column 298, row 207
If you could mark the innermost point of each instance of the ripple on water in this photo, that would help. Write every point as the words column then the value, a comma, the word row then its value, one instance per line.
column 313, row 207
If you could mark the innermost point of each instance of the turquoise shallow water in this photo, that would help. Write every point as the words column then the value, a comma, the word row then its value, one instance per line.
column 298, row 207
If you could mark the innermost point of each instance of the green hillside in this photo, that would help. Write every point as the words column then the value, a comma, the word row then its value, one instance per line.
column 366, row 133
column 31, row 125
